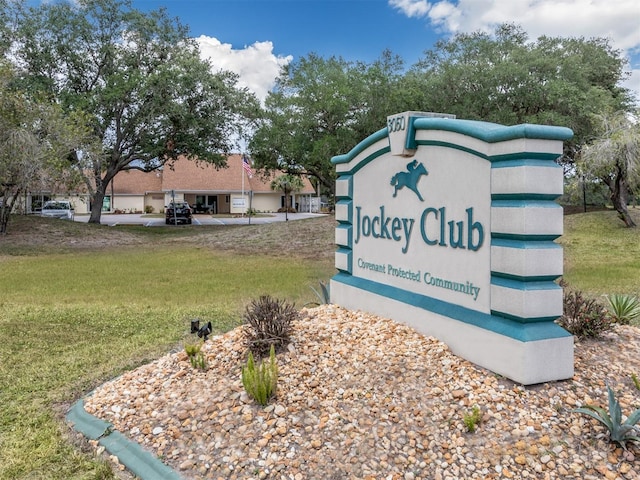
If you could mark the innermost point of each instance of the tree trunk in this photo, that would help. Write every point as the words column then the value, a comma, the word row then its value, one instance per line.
column 97, row 198
column 96, row 205
column 620, row 198
column 4, row 219
column 6, row 207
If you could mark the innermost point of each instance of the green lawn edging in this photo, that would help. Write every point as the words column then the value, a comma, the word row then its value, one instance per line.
column 137, row 460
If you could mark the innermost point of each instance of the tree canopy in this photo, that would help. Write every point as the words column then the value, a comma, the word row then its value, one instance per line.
column 506, row 78
column 321, row 108
column 139, row 77
column 324, row 107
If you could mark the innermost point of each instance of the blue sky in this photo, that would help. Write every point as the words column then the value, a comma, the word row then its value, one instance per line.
column 255, row 38
column 353, row 29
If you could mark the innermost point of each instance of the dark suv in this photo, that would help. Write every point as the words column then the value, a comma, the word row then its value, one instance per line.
column 178, row 212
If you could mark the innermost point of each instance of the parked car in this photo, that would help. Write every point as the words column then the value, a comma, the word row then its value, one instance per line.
column 58, row 209
column 178, row 212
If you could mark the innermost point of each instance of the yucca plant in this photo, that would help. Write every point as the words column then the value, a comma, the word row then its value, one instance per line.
column 619, row 432
column 624, row 309
column 260, row 381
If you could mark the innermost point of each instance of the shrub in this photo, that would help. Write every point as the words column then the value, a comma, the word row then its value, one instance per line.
column 472, row 420
column 581, row 316
column 148, row 209
column 268, row 323
column 623, row 309
column 260, row 381
column 619, row 432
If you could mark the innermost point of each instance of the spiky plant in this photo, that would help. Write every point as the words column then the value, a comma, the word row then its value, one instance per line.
column 260, row 381
column 624, row 309
column 619, row 432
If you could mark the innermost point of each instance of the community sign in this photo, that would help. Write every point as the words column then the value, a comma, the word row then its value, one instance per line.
column 448, row 225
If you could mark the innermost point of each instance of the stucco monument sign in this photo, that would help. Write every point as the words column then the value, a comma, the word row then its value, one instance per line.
column 448, row 225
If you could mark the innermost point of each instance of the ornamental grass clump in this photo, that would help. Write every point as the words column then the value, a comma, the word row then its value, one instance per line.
column 619, row 432
column 582, row 316
column 268, row 323
column 260, row 381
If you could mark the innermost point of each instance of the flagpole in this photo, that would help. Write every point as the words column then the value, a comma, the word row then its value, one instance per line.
column 242, row 173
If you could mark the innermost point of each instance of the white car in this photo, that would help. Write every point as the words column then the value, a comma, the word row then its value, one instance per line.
column 58, row 209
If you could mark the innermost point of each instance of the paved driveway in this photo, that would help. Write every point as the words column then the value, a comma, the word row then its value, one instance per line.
column 150, row 221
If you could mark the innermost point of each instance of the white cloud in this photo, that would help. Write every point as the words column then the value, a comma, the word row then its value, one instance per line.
column 256, row 65
column 613, row 19
column 411, row 8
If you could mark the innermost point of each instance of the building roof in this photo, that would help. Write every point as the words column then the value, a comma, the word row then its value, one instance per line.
column 190, row 176
column 136, row 182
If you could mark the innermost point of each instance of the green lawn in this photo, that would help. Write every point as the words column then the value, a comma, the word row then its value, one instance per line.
column 601, row 255
column 75, row 312
column 69, row 321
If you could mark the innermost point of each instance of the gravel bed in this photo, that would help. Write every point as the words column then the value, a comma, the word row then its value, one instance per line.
column 362, row 397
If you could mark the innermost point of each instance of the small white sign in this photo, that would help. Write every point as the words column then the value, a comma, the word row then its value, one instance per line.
column 238, row 202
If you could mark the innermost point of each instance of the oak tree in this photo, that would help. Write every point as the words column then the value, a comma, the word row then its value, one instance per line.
column 150, row 96
column 614, row 158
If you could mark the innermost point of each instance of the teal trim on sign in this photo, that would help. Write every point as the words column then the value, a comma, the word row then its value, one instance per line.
column 524, row 286
column 349, row 179
column 493, row 132
column 525, row 196
column 436, row 143
column 523, row 278
column 485, row 131
column 523, row 320
column 525, row 159
column 349, row 229
column 349, row 205
column 523, row 203
column 504, row 326
column 524, row 237
column 516, row 243
column 349, row 254
column 367, row 142
column 365, row 161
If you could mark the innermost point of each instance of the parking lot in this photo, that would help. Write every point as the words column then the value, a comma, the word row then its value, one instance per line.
column 198, row 219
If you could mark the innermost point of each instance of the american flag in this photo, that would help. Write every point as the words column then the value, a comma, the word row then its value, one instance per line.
column 246, row 166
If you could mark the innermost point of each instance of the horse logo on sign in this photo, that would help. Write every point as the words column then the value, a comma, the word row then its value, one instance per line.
column 409, row 178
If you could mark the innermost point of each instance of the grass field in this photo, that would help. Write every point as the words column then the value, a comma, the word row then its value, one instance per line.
column 602, row 256
column 82, row 303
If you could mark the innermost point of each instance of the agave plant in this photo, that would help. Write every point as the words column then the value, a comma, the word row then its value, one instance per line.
column 624, row 309
column 322, row 294
column 619, row 432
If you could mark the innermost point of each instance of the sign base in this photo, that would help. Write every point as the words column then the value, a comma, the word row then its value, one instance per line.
column 525, row 361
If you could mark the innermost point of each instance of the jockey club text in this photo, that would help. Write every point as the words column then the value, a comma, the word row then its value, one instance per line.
column 434, row 227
